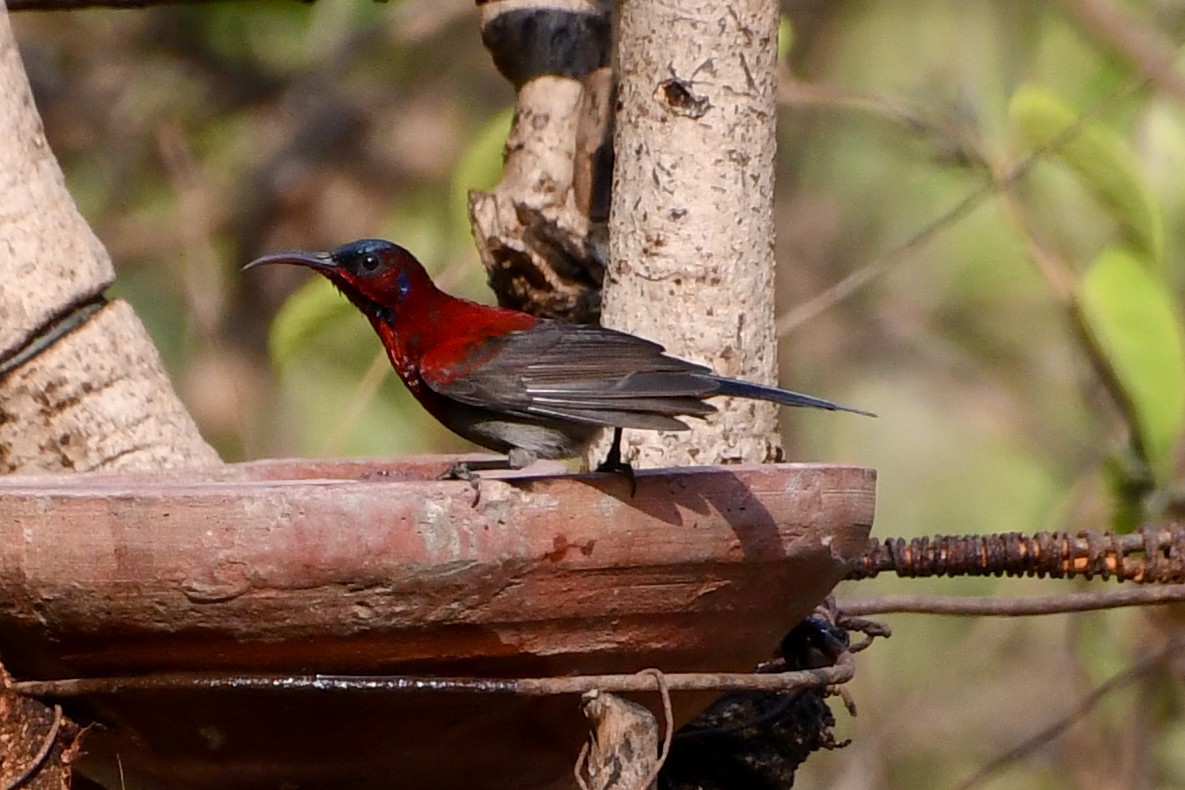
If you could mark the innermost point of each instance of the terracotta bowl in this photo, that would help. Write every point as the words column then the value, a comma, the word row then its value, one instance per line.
column 367, row 567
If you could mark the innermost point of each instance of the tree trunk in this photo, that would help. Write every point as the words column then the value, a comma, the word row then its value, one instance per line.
column 81, row 385
column 691, row 235
column 691, row 260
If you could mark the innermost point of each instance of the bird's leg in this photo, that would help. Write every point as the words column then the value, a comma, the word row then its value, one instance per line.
column 468, row 471
column 517, row 458
column 615, row 466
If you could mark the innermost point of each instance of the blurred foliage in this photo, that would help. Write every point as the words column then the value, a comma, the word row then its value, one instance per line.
column 1099, row 156
column 196, row 138
column 1138, row 325
column 785, row 37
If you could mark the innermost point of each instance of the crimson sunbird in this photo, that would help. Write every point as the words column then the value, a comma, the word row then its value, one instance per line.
column 517, row 384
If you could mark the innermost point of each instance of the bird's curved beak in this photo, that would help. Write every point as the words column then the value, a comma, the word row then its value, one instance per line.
column 322, row 261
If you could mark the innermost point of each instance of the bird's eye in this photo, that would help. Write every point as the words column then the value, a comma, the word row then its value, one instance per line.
column 370, row 262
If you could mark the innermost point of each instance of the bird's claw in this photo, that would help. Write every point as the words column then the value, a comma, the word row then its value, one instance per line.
column 462, row 471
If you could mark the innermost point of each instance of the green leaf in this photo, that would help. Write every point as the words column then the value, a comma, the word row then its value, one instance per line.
column 1099, row 156
column 1133, row 317
column 310, row 309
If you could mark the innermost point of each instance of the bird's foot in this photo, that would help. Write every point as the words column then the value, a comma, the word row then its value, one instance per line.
column 463, row 470
column 620, row 468
column 615, row 466
column 468, row 470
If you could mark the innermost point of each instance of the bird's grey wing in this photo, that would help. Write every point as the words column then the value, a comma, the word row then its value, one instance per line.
column 575, row 372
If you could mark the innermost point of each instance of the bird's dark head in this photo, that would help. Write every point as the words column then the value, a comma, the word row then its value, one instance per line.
column 376, row 275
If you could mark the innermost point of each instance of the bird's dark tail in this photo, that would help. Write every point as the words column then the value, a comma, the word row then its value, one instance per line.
column 746, row 389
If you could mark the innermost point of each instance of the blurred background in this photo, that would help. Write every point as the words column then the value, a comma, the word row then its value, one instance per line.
column 195, row 138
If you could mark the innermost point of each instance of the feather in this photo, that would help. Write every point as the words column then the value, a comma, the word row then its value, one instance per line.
column 589, row 375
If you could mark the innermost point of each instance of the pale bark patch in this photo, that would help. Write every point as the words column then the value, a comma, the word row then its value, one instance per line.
column 691, row 249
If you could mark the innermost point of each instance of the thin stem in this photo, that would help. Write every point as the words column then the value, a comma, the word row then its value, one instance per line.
column 959, row 605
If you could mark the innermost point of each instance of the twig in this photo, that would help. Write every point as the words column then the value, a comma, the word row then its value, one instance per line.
column 1061, row 278
column 1057, row 272
column 35, row 764
column 834, row 294
column 841, row 672
column 1082, row 708
column 1016, row 607
column 1148, row 50
column 829, row 297
column 800, row 93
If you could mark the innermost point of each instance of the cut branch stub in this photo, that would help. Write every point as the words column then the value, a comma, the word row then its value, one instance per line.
column 541, row 231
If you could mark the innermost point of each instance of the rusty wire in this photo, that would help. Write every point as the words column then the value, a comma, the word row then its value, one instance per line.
column 668, row 723
column 1025, row 606
column 841, row 672
column 1153, row 555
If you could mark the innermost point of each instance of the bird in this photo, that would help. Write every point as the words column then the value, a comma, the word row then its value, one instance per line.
column 520, row 385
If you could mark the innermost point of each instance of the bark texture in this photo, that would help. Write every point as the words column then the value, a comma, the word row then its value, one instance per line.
column 96, row 399
column 49, row 259
column 81, row 385
column 691, row 260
